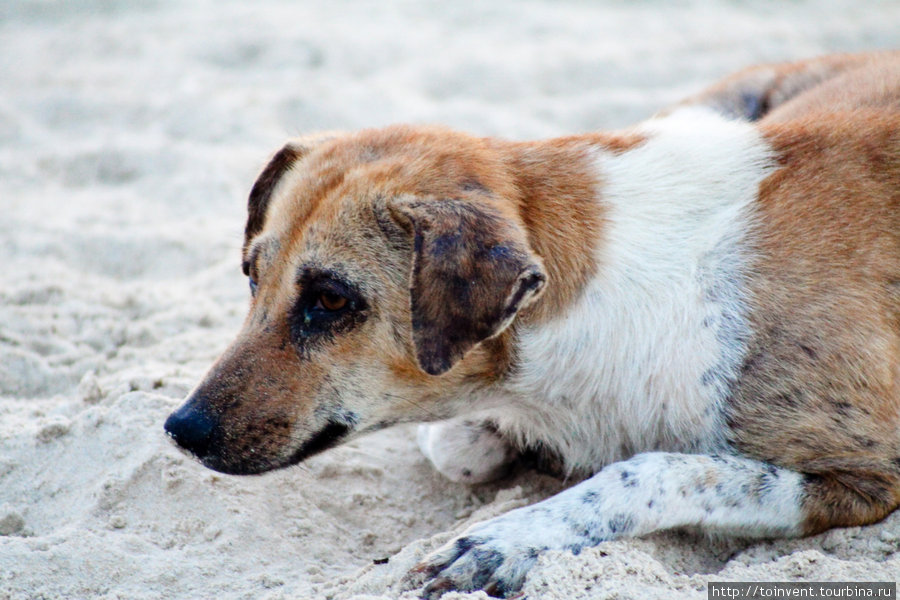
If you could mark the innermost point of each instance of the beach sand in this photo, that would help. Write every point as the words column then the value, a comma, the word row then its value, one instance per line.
column 130, row 133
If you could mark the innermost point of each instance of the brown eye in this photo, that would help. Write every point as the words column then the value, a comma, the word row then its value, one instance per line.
column 330, row 301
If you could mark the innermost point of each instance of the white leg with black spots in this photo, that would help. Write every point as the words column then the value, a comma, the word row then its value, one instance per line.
column 647, row 493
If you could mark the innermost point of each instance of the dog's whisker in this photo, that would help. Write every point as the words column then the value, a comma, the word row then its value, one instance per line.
column 434, row 416
column 305, row 468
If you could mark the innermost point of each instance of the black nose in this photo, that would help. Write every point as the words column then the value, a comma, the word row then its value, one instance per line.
column 192, row 428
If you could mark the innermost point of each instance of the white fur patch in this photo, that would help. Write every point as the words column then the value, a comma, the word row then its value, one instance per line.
column 644, row 358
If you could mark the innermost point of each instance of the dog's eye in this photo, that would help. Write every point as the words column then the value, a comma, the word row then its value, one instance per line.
column 330, row 301
column 326, row 306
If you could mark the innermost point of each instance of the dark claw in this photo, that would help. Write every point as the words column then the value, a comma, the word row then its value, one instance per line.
column 498, row 589
column 462, row 546
column 429, row 570
column 495, row 589
column 437, row 588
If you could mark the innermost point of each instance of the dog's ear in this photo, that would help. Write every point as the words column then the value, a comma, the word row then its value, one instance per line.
column 472, row 271
column 280, row 163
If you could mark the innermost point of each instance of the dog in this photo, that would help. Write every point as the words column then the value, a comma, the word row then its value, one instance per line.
column 699, row 314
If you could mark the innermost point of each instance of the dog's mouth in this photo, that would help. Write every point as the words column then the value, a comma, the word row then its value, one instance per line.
column 329, row 437
column 248, row 464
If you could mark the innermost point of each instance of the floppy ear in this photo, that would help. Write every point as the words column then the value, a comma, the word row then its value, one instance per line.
column 472, row 272
column 279, row 164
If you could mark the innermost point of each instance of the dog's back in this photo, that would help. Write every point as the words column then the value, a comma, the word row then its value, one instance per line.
column 786, row 91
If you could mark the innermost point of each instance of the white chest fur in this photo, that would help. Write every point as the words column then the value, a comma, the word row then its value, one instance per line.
column 643, row 359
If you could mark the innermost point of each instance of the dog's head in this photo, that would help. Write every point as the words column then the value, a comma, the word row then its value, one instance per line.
column 384, row 268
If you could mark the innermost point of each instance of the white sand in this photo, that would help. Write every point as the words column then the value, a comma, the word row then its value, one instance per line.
column 130, row 132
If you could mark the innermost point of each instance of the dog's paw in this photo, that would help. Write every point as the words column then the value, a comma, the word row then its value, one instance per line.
column 472, row 563
column 493, row 556
column 465, row 451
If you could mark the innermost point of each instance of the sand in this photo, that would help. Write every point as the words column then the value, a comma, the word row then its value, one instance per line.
column 130, row 133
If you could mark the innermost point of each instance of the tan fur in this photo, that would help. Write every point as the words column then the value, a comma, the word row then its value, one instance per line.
column 819, row 389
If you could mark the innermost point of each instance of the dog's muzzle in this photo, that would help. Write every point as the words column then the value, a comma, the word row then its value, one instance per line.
column 198, row 428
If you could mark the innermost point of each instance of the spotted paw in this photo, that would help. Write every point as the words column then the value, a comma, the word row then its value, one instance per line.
column 493, row 556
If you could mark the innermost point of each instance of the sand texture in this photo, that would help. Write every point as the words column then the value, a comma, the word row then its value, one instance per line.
column 130, row 133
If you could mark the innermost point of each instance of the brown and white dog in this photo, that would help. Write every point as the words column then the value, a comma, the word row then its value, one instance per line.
column 701, row 312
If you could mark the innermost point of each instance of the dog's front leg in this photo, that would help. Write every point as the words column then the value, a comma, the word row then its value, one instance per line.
column 649, row 492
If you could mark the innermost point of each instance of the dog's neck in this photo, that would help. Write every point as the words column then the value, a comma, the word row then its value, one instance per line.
column 560, row 206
